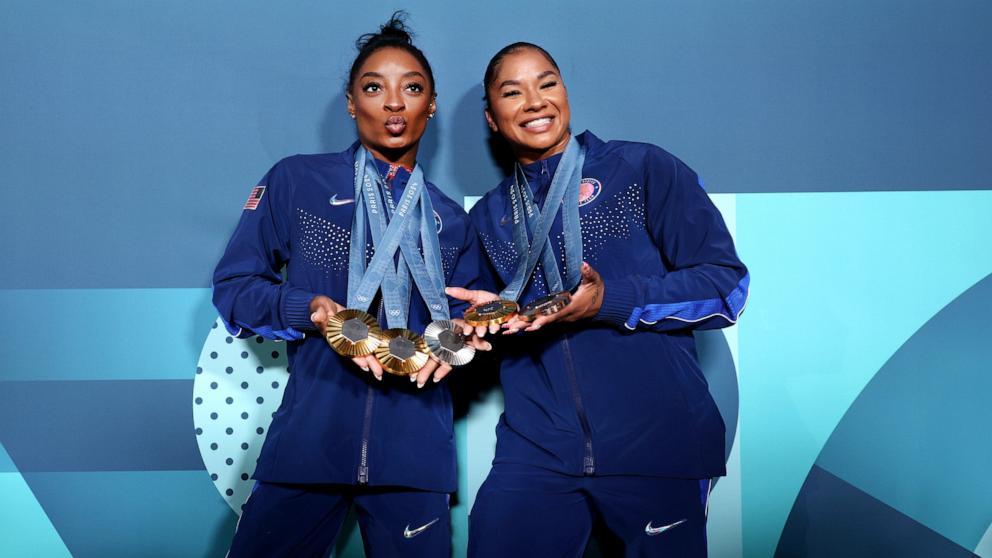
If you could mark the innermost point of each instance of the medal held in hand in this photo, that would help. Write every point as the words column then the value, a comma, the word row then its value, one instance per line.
column 442, row 339
column 353, row 333
column 491, row 313
column 402, row 352
column 546, row 305
column 448, row 344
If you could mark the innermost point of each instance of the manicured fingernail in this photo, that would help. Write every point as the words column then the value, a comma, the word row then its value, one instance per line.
column 489, row 346
column 365, row 368
column 420, row 385
column 436, row 379
column 413, row 378
column 379, row 377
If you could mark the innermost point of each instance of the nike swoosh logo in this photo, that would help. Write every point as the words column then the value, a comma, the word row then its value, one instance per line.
column 410, row 533
column 336, row 201
column 652, row 531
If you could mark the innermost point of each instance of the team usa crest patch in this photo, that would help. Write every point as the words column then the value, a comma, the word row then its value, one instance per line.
column 255, row 197
column 589, row 190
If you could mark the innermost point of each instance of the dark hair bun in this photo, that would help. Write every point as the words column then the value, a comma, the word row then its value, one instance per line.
column 392, row 32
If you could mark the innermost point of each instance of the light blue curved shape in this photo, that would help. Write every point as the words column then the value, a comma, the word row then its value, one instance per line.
column 845, row 280
column 917, row 438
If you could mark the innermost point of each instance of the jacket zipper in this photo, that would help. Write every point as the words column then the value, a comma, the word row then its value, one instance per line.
column 588, row 461
column 363, row 466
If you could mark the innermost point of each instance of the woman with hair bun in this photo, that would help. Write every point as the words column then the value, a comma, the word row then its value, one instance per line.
column 367, row 246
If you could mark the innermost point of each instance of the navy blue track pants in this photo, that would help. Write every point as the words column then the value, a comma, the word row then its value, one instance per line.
column 304, row 520
column 522, row 511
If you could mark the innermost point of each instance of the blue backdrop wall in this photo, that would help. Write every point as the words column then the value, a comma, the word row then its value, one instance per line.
column 845, row 142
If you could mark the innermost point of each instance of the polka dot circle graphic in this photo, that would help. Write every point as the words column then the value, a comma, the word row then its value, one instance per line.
column 230, row 414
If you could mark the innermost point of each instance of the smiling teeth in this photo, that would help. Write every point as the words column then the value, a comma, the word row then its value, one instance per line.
column 538, row 122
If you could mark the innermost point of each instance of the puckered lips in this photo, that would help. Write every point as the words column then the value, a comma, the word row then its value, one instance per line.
column 538, row 124
column 396, row 125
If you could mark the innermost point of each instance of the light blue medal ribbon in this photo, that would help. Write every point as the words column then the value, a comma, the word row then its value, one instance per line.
column 363, row 282
column 564, row 188
column 427, row 271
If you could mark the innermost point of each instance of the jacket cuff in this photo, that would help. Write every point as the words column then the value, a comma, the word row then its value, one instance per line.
column 296, row 309
column 619, row 300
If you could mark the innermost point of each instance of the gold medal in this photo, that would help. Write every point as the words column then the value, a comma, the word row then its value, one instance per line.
column 546, row 305
column 402, row 352
column 447, row 343
column 491, row 313
column 353, row 333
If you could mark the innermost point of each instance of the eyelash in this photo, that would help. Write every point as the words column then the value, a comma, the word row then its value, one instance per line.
column 514, row 92
column 374, row 87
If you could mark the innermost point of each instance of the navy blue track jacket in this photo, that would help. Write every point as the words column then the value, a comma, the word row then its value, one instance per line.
column 623, row 393
column 336, row 423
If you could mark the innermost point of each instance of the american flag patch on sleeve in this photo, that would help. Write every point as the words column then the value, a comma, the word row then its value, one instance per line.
column 255, row 197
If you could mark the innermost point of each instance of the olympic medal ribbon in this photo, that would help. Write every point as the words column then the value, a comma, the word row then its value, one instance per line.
column 564, row 194
column 364, row 281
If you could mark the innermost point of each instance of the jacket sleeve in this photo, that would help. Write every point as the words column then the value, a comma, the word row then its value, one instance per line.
column 249, row 290
column 706, row 285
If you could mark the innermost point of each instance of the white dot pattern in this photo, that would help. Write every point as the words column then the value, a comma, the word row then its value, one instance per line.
column 238, row 386
column 324, row 244
column 612, row 219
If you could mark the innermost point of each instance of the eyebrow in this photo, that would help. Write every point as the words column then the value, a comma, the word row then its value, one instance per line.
column 406, row 75
column 540, row 76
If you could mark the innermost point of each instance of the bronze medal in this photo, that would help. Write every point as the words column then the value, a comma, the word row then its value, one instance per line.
column 447, row 343
column 402, row 352
column 491, row 313
column 546, row 305
column 353, row 333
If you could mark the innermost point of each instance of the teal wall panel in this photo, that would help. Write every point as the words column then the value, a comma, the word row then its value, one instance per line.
column 840, row 281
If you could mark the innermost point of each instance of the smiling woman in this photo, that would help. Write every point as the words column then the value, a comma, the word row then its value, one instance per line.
column 346, row 433
column 607, row 414
column 528, row 105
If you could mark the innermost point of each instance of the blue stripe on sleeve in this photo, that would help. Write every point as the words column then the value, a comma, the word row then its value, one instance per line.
column 242, row 330
column 729, row 308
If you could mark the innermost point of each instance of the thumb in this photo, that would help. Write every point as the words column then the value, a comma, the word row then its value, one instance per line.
column 588, row 273
column 319, row 316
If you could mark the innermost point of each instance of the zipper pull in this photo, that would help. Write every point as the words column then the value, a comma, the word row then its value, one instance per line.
column 363, row 475
column 588, row 465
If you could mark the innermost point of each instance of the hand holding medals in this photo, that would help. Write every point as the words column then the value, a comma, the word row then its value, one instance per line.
column 354, row 332
column 491, row 312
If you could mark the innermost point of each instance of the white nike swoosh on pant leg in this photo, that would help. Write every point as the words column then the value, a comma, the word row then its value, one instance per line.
column 410, row 533
column 652, row 531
